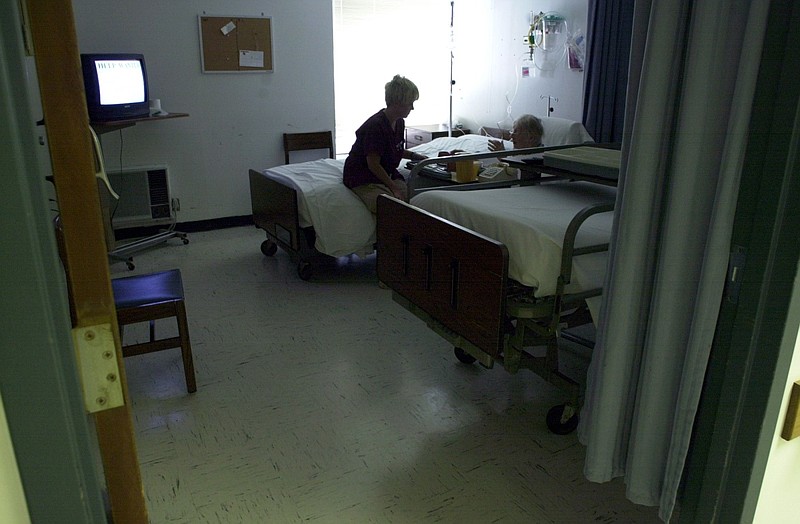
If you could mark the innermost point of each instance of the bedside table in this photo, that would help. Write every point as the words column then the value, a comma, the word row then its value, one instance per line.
column 417, row 135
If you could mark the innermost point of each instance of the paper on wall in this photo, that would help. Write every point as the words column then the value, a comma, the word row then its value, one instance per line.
column 251, row 58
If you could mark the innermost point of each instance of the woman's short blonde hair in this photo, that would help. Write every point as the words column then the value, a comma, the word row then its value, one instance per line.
column 401, row 90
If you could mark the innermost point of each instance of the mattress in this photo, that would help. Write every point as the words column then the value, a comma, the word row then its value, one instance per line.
column 342, row 223
column 531, row 221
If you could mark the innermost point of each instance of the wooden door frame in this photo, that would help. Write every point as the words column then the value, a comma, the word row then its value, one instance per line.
column 55, row 46
column 748, row 366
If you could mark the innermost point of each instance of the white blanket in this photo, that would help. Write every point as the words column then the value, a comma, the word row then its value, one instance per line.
column 342, row 223
column 531, row 222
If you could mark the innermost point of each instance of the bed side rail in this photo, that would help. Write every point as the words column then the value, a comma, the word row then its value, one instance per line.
column 275, row 210
column 455, row 275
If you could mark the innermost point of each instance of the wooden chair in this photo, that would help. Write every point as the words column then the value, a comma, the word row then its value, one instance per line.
column 147, row 298
column 308, row 141
column 150, row 297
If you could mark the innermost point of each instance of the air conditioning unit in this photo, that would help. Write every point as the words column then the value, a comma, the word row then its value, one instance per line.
column 144, row 197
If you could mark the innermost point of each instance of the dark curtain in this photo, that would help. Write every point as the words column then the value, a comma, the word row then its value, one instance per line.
column 606, row 81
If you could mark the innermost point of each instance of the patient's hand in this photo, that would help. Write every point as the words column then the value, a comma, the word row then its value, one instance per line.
column 496, row 145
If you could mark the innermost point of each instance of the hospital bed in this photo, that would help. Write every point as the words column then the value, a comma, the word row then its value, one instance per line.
column 306, row 210
column 503, row 273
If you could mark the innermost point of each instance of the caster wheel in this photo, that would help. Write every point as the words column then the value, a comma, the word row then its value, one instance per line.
column 130, row 264
column 463, row 356
column 269, row 248
column 185, row 241
column 562, row 419
column 304, row 270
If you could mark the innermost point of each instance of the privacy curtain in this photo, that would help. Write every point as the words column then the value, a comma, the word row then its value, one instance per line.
column 608, row 45
column 692, row 78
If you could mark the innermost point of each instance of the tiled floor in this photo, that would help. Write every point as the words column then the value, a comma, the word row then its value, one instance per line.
column 325, row 401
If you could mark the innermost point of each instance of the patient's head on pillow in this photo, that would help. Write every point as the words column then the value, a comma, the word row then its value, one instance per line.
column 527, row 132
column 401, row 91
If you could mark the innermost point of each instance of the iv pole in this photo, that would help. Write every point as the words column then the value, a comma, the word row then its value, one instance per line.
column 452, row 82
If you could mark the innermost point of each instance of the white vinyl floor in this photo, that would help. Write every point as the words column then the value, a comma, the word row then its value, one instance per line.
column 326, row 402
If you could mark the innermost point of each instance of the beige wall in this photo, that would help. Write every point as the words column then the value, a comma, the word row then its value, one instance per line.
column 13, row 509
column 777, row 502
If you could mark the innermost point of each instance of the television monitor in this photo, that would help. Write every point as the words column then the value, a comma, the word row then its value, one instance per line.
column 116, row 86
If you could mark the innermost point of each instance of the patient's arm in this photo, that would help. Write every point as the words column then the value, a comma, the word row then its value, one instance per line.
column 496, row 145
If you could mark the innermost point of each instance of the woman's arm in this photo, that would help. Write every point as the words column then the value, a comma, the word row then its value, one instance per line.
column 411, row 155
column 374, row 165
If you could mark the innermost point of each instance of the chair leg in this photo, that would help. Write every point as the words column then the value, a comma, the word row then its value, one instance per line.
column 186, row 347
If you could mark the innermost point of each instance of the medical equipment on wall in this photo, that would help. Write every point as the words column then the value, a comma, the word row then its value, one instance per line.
column 546, row 39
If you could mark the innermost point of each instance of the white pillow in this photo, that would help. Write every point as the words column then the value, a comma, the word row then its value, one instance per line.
column 560, row 131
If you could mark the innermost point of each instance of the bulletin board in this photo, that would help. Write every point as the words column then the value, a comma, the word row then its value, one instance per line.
column 235, row 44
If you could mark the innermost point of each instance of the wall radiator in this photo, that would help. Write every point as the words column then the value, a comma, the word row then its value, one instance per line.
column 144, row 197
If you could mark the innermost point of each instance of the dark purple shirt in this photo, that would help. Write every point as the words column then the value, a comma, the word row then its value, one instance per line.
column 375, row 137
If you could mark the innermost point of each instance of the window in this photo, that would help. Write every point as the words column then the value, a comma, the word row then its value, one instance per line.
column 373, row 40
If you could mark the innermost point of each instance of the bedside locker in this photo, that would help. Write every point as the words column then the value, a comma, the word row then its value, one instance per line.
column 417, row 135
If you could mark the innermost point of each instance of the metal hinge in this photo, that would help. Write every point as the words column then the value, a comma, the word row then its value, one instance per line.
column 735, row 271
column 97, row 359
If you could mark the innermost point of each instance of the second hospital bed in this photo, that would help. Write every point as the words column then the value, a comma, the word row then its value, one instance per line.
column 306, row 210
column 501, row 273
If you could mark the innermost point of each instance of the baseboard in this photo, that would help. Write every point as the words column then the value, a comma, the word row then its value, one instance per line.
column 187, row 227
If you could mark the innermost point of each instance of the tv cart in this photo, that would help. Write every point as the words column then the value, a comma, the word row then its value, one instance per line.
column 124, row 252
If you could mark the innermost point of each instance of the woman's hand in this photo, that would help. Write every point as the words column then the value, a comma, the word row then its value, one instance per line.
column 496, row 145
column 398, row 189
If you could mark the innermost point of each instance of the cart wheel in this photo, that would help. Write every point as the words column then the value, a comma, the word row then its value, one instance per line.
column 269, row 248
column 556, row 422
column 304, row 270
column 463, row 356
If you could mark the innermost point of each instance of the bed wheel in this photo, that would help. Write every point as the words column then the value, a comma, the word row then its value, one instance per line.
column 556, row 422
column 269, row 248
column 304, row 270
column 463, row 356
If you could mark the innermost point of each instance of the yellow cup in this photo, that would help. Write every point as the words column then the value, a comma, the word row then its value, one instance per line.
column 467, row 170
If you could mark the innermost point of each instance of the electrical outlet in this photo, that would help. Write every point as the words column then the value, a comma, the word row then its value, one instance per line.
column 176, row 204
column 526, row 40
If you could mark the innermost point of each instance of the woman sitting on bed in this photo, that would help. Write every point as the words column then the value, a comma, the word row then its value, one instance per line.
column 526, row 132
column 371, row 166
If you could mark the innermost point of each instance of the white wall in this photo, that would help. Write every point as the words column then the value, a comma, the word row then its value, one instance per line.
column 236, row 120
column 490, row 54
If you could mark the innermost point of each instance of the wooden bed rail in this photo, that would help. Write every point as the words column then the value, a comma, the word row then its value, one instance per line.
column 455, row 275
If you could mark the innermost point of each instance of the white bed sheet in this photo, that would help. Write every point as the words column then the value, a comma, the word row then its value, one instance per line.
column 342, row 223
column 531, row 222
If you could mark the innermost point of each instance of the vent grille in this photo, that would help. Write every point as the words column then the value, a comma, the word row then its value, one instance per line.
column 144, row 197
column 159, row 193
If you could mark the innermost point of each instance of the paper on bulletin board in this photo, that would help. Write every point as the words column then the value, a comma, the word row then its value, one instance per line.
column 249, row 58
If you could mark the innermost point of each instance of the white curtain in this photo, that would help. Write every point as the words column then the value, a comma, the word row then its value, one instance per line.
column 693, row 71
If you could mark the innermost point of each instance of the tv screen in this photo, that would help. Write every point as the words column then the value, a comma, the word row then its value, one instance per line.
column 116, row 86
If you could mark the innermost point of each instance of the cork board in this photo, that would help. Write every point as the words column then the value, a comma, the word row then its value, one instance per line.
column 235, row 44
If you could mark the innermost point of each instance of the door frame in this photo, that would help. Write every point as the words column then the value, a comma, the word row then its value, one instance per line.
column 748, row 367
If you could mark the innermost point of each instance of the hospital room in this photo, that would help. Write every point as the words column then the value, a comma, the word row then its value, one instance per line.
column 547, row 333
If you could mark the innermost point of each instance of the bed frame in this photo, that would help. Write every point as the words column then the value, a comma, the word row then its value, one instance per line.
column 275, row 211
column 456, row 280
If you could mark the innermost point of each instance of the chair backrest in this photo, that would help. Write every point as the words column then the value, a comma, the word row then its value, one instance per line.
column 319, row 140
